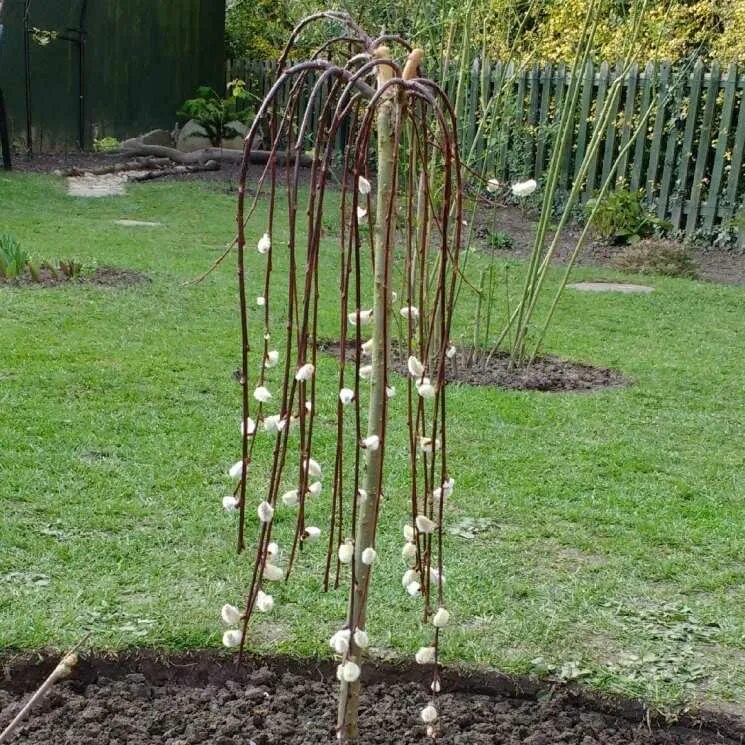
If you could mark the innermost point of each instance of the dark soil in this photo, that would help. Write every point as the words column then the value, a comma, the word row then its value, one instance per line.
column 103, row 276
column 226, row 177
column 712, row 264
column 203, row 698
column 549, row 374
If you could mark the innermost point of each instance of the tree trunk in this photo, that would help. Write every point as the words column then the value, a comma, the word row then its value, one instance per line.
column 385, row 221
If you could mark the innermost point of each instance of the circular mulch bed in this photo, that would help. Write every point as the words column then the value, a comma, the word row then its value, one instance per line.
column 103, row 276
column 550, row 374
column 202, row 698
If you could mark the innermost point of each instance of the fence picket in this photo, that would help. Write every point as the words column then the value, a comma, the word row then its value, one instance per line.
column 519, row 132
column 506, row 117
column 709, row 210
column 735, row 167
column 490, row 140
column 611, row 128
column 658, row 133
column 628, row 117
column 562, row 84
column 642, row 141
column 603, row 75
column 671, row 145
column 472, row 103
column 543, row 121
column 686, row 152
column 588, row 85
column 702, row 154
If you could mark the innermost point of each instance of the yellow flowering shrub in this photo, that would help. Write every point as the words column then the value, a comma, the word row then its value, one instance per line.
column 713, row 29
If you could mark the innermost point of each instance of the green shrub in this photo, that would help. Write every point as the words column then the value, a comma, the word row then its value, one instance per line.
column 621, row 217
column 214, row 113
column 657, row 256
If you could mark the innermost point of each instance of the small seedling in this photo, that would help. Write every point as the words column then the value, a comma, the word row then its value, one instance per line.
column 500, row 240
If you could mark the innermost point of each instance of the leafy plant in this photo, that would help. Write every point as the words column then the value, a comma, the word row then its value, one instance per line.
column 13, row 258
column 214, row 113
column 621, row 217
column 15, row 262
column 500, row 240
column 70, row 268
column 657, row 256
column 106, row 144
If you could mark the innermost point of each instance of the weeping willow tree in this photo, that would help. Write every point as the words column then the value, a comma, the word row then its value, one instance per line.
column 403, row 228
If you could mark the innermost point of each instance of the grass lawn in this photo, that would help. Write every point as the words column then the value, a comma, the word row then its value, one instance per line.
column 612, row 536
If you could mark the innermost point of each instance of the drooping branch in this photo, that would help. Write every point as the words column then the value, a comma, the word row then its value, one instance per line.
column 409, row 125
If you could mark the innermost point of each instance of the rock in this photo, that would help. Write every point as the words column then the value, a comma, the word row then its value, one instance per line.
column 236, row 143
column 157, row 137
column 192, row 137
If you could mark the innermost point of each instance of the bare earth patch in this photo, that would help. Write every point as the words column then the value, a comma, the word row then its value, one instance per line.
column 203, row 698
column 713, row 264
column 103, row 276
column 550, row 374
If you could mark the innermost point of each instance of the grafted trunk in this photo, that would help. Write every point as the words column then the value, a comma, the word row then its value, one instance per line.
column 385, row 222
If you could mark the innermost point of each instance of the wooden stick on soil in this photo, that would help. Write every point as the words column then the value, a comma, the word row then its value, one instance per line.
column 63, row 670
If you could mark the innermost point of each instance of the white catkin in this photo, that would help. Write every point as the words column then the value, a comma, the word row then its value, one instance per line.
column 305, row 373
column 524, row 188
column 441, row 619
column 346, row 552
column 416, row 368
column 230, row 614
column 429, row 714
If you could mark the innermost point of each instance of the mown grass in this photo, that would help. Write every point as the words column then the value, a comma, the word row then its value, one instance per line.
column 611, row 528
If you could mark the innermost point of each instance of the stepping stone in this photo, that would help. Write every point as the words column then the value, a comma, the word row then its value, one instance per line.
column 624, row 287
column 138, row 223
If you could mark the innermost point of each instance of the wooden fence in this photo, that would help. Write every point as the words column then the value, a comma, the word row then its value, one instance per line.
column 689, row 162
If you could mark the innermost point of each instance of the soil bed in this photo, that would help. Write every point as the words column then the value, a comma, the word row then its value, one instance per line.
column 203, row 698
column 549, row 374
column 103, row 276
column 712, row 264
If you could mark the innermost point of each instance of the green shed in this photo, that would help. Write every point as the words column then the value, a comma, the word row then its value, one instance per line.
column 105, row 68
